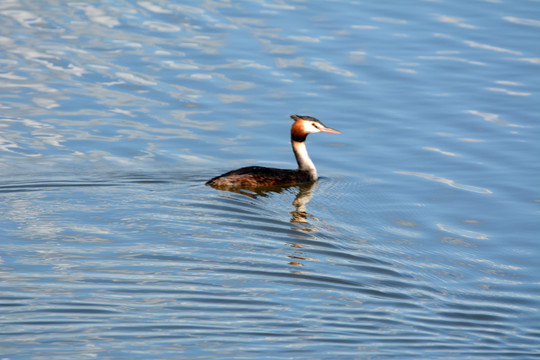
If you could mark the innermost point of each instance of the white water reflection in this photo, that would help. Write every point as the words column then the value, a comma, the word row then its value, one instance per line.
column 463, row 232
column 448, row 182
column 454, row 20
column 494, row 118
column 509, row 92
column 521, row 21
column 447, row 153
column 474, row 44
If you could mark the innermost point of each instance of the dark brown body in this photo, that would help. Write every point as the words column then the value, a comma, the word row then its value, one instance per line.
column 252, row 176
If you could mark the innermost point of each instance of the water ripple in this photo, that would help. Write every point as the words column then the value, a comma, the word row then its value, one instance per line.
column 449, row 182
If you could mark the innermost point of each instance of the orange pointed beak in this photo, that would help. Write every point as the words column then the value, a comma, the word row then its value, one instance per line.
column 329, row 130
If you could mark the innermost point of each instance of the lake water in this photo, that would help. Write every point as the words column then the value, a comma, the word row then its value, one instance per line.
column 421, row 240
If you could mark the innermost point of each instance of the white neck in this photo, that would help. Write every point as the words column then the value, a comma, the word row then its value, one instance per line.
column 302, row 158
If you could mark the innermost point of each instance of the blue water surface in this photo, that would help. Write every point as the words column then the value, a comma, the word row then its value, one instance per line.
column 419, row 241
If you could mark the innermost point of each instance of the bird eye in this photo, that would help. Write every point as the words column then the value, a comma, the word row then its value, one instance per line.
column 315, row 125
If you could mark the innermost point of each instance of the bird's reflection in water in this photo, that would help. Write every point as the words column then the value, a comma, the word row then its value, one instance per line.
column 299, row 215
column 303, row 196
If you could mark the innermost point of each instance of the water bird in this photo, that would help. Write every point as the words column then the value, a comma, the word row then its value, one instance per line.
column 255, row 176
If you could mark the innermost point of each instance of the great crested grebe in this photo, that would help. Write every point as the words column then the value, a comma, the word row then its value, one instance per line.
column 253, row 176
